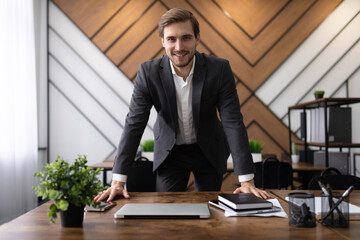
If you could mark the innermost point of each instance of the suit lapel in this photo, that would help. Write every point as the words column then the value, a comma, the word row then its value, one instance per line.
column 166, row 78
column 198, row 84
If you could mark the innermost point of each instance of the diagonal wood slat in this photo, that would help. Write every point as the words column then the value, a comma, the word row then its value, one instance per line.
column 136, row 34
column 121, row 22
column 251, row 49
column 256, row 36
column 90, row 15
column 253, row 15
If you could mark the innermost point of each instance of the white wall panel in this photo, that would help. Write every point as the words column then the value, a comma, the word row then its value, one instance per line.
column 71, row 134
column 86, row 49
column 84, row 102
column 307, row 51
column 116, row 80
column 88, row 78
column 93, row 86
column 326, row 61
column 340, row 73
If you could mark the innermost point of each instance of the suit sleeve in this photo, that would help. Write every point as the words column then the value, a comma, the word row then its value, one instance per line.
column 135, row 123
column 232, row 121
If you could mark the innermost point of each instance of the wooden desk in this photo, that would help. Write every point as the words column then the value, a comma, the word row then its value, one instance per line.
column 35, row 225
column 353, row 232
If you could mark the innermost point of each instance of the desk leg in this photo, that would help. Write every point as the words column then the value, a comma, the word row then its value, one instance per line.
column 104, row 177
column 354, row 162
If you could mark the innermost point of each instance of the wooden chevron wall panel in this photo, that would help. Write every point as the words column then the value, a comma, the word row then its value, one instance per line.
column 256, row 36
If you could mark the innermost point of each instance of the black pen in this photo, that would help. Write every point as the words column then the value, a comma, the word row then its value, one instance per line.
column 345, row 195
column 331, row 203
column 330, row 199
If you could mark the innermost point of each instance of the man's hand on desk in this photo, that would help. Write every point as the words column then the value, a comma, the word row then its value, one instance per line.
column 117, row 188
column 249, row 187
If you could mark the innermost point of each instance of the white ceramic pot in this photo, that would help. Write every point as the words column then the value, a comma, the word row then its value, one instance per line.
column 148, row 155
column 295, row 158
column 256, row 157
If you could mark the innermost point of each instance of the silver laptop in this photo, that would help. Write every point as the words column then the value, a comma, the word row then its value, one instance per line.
column 163, row 210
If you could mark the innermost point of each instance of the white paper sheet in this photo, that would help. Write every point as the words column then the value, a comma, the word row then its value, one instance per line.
column 353, row 209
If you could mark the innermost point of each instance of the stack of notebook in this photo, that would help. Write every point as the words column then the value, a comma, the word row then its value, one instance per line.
column 244, row 204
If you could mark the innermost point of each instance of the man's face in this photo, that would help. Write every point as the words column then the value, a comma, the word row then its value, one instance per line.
column 180, row 43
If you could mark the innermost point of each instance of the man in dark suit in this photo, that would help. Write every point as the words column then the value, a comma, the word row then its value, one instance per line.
column 187, row 89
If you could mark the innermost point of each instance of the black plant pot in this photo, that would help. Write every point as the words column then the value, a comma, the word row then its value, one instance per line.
column 318, row 96
column 73, row 217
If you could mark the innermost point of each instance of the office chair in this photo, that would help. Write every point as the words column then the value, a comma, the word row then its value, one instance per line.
column 271, row 173
column 329, row 171
column 336, row 181
column 141, row 177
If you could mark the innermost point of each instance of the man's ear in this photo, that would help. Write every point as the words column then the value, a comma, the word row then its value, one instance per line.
column 162, row 42
column 198, row 39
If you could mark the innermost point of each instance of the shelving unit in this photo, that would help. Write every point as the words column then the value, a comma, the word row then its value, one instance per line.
column 323, row 102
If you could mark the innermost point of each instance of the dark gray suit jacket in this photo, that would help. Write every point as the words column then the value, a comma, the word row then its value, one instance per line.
column 213, row 88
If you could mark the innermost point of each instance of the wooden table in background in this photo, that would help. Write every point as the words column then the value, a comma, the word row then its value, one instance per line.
column 35, row 225
column 306, row 172
column 107, row 165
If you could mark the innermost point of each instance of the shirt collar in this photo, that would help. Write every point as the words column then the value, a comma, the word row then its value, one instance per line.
column 191, row 71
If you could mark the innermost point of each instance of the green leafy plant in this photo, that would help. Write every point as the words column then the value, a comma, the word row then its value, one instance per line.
column 66, row 184
column 319, row 92
column 294, row 150
column 148, row 145
column 255, row 146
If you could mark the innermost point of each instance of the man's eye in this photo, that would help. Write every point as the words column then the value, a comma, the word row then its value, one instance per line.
column 187, row 37
column 171, row 39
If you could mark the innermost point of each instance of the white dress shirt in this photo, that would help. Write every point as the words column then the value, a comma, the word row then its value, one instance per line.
column 186, row 132
column 183, row 89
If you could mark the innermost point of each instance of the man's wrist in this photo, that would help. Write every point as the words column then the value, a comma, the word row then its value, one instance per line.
column 247, row 183
column 119, row 177
column 117, row 184
column 246, row 177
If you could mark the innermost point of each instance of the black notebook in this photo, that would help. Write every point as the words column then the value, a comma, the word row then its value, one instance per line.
column 243, row 201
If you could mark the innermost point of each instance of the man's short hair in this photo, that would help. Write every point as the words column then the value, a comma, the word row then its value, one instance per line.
column 178, row 15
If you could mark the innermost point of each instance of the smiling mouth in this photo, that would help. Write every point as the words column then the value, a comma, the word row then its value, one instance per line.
column 179, row 54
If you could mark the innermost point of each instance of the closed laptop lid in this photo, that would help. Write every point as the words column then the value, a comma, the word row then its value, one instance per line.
column 163, row 210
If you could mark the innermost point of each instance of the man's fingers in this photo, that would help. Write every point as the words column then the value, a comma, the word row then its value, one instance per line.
column 102, row 195
column 126, row 194
column 112, row 195
column 117, row 191
column 257, row 192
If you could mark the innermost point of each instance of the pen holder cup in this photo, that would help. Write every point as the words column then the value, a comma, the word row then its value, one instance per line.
column 302, row 209
column 339, row 217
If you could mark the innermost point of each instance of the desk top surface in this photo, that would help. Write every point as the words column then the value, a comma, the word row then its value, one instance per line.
column 35, row 225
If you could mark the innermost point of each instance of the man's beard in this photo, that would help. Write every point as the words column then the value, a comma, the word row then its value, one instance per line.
column 190, row 58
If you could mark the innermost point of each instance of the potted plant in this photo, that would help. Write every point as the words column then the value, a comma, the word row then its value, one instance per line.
column 148, row 149
column 319, row 94
column 295, row 157
column 255, row 149
column 71, row 187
